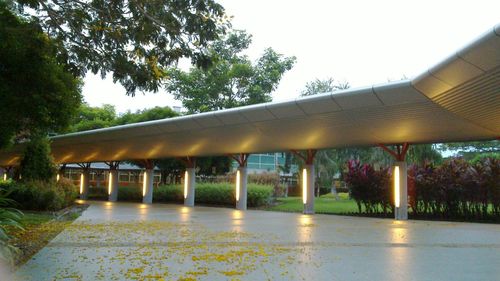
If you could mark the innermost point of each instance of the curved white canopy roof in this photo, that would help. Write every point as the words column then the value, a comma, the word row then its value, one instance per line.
column 456, row 100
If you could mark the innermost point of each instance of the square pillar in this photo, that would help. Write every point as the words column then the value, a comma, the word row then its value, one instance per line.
column 189, row 186
column 400, row 185
column 113, row 185
column 84, row 184
column 147, row 186
column 241, row 188
column 308, row 188
column 4, row 174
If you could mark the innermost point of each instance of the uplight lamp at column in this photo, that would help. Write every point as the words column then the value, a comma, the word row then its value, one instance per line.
column 186, row 184
column 144, row 183
column 238, row 185
column 304, row 186
column 81, row 183
column 110, row 183
column 396, row 187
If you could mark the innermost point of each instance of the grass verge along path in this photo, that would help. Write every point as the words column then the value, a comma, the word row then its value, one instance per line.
column 39, row 229
column 326, row 204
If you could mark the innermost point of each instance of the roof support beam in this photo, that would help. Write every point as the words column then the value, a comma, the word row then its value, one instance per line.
column 307, row 156
column 399, row 153
column 241, row 158
column 189, row 161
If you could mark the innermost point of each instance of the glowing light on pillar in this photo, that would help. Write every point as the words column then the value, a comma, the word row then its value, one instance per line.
column 186, row 176
column 4, row 177
column 396, row 187
column 57, row 177
column 144, row 184
column 304, row 186
column 237, row 185
column 81, row 183
column 110, row 183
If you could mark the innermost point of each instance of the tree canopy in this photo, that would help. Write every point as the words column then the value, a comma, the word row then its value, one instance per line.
column 327, row 85
column 233, row 80
column 96, row 117
column 135, row 40
column 36, row 93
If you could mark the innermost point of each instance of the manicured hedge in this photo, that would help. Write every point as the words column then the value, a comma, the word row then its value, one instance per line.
column 206, row 193
column 41, row 195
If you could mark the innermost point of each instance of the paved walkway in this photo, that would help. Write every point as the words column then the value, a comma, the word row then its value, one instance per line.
column 126, row 241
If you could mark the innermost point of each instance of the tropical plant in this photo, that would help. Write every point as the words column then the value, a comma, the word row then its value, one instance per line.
column 370, row 188
column 9, row 218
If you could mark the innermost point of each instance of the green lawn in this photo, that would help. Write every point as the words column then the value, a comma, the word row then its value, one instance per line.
column 31, row 218
column 325, row 204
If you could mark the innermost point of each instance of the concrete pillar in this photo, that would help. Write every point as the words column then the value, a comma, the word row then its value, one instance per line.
column 113, row 185
column 189, row 186
column 400, row 176
column 147, row 186
column 84, row 184
column 4, row 175
column 241, row 188
column 308, row 188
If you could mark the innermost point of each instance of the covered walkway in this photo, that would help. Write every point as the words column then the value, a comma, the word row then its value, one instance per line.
column 126, row 241
column 455, row 100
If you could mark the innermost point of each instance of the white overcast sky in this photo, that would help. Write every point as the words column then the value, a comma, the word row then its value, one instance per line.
column 361, row 42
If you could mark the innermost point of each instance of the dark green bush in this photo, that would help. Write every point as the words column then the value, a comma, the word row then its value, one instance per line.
column 37, row 163
column 168, row 193
column 41, row 195
column 99, row 192
column 214, row 194
column 129, row 193
column 206, row 193
column 259, row 195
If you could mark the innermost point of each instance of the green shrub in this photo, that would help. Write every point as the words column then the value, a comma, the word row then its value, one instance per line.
column 214, row 194
column 259, row 195
column 37, row 163
column 129, row 193
column 99, row 192
column 42, row 195
column 206, row 193
column 168, row 193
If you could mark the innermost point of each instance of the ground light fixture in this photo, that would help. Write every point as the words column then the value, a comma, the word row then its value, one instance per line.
column 185, row 184
column 144, row 184
column 304, row 186
column 57, row 177
column 237, row 185
column 110, row 182
column 81, row 183
column 4, row 177
column 396, row 187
